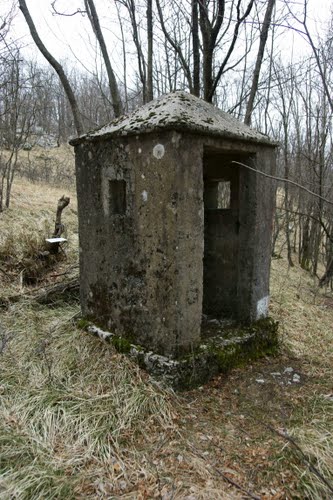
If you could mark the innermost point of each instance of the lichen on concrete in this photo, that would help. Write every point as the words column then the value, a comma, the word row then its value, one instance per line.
column 177, row 111
column 218, row 354
column 157, row 252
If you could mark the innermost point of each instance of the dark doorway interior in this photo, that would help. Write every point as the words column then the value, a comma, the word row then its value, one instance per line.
column 222, row 180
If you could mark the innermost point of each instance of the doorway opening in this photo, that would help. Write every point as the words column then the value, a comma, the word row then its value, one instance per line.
column 222, row 203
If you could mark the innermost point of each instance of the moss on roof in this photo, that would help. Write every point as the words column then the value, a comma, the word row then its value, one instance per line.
column 177, row 111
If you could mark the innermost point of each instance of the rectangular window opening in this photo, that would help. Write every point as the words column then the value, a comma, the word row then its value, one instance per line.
column 117, row 197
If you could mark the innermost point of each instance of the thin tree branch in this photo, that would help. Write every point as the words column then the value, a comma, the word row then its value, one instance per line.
column 175, row 46
column 282, row 179
column 226, row 478
column 240, row 19
column 319, row 221
column 312, row 468
column 55, row 12
column 314, row 50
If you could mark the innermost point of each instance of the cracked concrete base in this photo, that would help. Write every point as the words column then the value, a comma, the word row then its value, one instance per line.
column 216, row 354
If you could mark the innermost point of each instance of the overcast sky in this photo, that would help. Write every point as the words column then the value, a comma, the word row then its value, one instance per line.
column 68, row 37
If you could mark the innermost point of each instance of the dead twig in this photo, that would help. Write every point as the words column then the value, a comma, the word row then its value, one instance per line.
column 226, row 478
column 53, row 292
column 311, row 467
column 56, row 12
column 282, row 179
column 68, row 271
column 4, row 273
column 44, row 295
column 5, row 338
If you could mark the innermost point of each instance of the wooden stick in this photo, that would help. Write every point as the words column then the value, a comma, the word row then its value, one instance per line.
column 59, row 227
column 312, row 468
column 226, row 478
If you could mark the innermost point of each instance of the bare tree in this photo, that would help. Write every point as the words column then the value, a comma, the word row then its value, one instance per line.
column 176, row 46
column 114, row 91
column 316, row 53
column 17, row 116
column 261, row 50
column 144, row 58
column 214, row 24
column 56, row 66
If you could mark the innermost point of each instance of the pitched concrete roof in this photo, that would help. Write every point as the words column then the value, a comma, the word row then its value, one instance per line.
column 177, row 111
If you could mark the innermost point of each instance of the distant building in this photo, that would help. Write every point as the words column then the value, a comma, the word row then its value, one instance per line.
column 170, row 228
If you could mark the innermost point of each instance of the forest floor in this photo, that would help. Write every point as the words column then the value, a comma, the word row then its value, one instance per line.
column 79, row 420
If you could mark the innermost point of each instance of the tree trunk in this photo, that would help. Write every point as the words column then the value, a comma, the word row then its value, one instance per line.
column 196, row 49
column 150, row 93
column 256, row 73
column 114, row 91
column 240, row 19
column 328, row 274
column 208, row 33
column 56, row 66
column 124, row 59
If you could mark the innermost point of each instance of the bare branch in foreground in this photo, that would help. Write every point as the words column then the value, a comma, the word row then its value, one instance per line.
column 282, row 179
column 312, row 468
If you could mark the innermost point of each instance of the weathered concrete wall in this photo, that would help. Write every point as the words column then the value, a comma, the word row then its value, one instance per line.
column 141, row 272
column 141, row 244
column 264, row 194
column 257, row 201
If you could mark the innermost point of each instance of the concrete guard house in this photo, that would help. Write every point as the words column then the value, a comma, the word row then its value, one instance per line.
column 171, row 229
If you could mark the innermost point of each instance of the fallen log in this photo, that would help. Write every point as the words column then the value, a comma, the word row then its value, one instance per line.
column 56, row 292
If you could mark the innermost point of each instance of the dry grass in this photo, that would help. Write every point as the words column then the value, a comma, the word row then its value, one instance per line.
column 306, row 316
column 78, row 420
column 26, row 224
column 67, row 409
column 54, row 166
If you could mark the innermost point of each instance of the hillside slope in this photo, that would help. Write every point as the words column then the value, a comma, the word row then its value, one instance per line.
column 79, row 420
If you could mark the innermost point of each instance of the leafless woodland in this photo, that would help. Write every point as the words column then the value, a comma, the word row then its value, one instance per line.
column 227, row 52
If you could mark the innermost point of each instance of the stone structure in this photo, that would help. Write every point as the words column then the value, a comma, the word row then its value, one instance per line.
column 172, row 229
